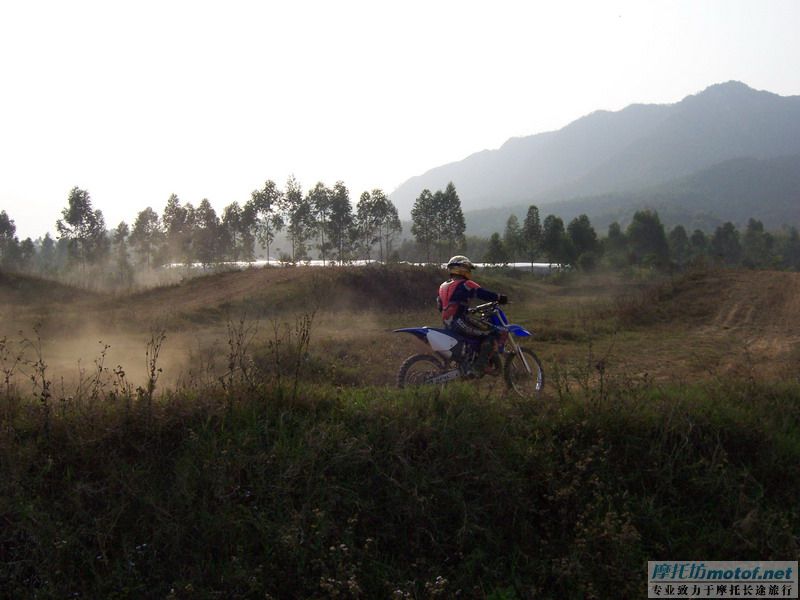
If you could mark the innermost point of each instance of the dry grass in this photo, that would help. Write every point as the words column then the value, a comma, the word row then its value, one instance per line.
column 688, row 328
column 278, row 471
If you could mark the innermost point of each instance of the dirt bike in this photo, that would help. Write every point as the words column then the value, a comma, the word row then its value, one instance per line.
column 453, row 355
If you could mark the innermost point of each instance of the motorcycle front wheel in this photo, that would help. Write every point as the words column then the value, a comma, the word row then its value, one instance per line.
column 526, row 383
column 418, row 369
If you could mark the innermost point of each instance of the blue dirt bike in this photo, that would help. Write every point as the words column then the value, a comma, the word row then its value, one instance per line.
column 453, row 356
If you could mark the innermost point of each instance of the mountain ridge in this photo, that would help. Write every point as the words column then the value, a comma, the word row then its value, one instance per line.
column 610, row 152
column 733, row 190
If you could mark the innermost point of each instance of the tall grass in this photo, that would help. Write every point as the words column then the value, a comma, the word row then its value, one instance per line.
column 317, row 492
column 269, row 477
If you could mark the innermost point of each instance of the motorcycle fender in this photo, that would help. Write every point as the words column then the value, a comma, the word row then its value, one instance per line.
column 519, row 331
column 441, row 342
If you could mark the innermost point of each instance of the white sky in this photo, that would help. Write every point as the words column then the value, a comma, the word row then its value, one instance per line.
column 133, row 101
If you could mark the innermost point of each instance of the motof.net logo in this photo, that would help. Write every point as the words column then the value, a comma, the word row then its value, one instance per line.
column 722, row 579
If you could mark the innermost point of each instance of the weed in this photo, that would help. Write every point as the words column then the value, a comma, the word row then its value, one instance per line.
column 152, row 351
column 240, row 373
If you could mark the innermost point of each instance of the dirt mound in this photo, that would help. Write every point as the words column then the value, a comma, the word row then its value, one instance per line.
column 209, row 294
column 751, row 318
column 25, row 289
column 376, row 287
column 265, row 292
column 765, row 300
column 762, row 309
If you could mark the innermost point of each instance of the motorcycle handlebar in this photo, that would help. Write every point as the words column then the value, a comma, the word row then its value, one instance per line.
column 482, row 307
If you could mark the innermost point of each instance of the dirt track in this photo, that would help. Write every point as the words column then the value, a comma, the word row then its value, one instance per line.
column 717, row 323
column 762, row 309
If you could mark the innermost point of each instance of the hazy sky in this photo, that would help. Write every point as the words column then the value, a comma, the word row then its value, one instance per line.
column 133, row 101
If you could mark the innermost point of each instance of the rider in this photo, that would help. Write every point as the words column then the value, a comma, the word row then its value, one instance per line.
column 453, row 301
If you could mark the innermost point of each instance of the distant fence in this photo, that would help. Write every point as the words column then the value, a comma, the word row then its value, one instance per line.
column 526, row 266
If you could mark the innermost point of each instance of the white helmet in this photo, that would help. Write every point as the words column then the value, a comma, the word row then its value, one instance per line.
column 460, row 265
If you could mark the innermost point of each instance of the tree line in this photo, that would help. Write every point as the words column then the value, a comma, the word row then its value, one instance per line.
column 323, row 220
column 644, row 243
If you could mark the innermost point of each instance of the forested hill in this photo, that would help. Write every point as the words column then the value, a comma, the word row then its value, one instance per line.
column 638, row 147
column 734, row 190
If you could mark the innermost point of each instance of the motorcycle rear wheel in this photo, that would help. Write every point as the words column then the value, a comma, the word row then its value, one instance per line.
column 523, row 383
column 419, row 369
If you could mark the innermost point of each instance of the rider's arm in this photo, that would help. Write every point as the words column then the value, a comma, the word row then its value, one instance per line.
column 476, row 290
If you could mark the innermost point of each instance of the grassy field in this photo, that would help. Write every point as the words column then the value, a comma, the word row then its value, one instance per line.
column 237, row 436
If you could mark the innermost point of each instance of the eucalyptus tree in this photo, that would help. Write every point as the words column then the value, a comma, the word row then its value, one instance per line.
column 8, row 241
column 83, row 228
column 384, row 217
column 119, row 238
column 790, row 249
column 512, row 238
column 582, row 235
column 340, row 222
column 27, row 254
column 424, row 222
column 532, row 234
column 554, row 238
column 319, row 199
column 300, row 219
column 205, row 232
column 678, row 242
column 266, row 206
column 497, row 252
column 451, row 218
column 47, row 255
column 177, row 224
column 365, row 227
column 757, row 246
column 725, row 244
column 698, row 244
column 647, row 241
column 237, row 232
column 147, row 236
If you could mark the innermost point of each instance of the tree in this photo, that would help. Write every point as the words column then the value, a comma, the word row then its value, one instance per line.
column 340, row 223
column 9, row 249
column 236, row 232
column 553, row 239
column 679, row 246
column 451, row 218
column 300, row 218
column 177, row 224
column 424, row 222
column 378, row 222
column 206, row 233
column 124, row 275
column 497, row 253
column 757, row 246
column 584, row 241
column 615, row 247
column 698, row 245
column 83, row 228
column 725, row 244
column 47, row 255
column 790, row 250
column 366, row 228
column 27, row 254
column 147, row 236
column 512, row 238
column 388, row 222
column 532, row 234
column 319, row 199
column 267, row 206
column 647, row 241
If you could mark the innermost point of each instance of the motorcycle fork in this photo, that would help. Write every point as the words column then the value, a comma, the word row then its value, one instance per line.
column 519, row 353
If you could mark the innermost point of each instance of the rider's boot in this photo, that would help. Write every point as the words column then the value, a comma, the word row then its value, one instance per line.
column 482, row 360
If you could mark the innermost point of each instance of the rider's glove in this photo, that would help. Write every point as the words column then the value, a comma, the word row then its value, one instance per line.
column 502, row 299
